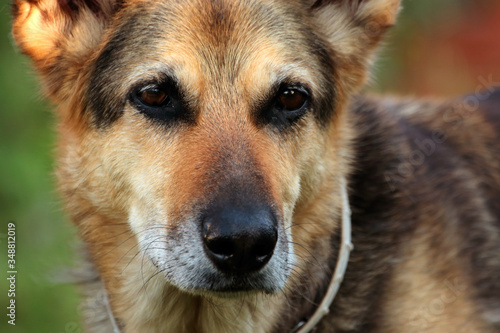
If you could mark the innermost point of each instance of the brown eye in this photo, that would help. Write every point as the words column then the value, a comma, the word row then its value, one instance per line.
column 289, row 102
column 292, row 99
column 159, row 101
column 153, row 97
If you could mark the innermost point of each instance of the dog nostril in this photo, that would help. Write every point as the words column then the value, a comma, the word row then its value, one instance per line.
column 265, row 246
column 221, row 246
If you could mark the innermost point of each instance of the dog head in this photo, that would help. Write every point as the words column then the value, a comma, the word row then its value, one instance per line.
column 216, row 129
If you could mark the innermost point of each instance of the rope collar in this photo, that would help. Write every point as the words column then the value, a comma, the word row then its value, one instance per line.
column 112, row 319
column 337, row 277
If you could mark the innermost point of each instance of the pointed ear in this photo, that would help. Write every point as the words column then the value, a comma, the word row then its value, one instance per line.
column 354, row 29
column 59, row 36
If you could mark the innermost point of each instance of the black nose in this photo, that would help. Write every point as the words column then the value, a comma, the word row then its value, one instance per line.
column 240, row 239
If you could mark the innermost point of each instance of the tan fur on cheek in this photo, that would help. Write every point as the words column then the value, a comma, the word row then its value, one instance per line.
column 101, row 167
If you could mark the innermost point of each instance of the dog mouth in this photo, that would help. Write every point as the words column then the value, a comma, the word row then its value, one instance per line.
column 226, row 251
column 190, row 269
column 235, row 287
column 199, row 276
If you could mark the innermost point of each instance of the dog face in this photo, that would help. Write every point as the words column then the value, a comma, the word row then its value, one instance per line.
column 217, row 124
column 211, row 127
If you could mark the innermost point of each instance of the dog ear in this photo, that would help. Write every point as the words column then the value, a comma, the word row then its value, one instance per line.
column 60, row 36
column 353, row 29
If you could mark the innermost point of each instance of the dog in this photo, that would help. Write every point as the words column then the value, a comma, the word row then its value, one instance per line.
column 210, row 151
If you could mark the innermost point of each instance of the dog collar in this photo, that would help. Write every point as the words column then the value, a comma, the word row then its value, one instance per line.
column 337, row 277
column 112, row 319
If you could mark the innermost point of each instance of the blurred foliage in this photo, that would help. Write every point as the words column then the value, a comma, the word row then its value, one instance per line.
column 438, row 47
column 45, row 239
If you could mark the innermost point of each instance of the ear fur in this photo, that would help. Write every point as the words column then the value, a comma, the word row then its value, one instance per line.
column 59, row 36
column 365, row 19
column 353, row 29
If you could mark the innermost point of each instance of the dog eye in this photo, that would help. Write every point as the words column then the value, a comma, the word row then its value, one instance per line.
column 288, row 104
column 291, row 99
column 153, row 97
column 158, row 101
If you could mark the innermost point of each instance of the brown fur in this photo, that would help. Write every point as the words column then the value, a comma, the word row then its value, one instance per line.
column 424, row 176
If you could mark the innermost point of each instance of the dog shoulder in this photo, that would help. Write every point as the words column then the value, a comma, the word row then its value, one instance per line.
column 439, row 160
column 443, row 141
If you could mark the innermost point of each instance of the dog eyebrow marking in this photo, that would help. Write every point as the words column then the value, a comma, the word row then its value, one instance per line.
column 105, row 95
column 325, row 101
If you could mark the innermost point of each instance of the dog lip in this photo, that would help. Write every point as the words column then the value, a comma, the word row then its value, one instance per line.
column 222, row 283
column 238, row 288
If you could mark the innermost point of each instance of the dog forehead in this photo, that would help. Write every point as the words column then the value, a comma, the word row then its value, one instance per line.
column 225, row 19
column 221, row 36
column 242, row 46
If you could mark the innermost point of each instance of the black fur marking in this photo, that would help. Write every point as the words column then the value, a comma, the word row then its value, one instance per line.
column 104, row 104
column 325, row 102
column 105, row 108
column 14, row 8
column 72, row 7
column 353, row 3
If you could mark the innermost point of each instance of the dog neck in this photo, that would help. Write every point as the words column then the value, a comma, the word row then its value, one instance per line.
column 340, row 268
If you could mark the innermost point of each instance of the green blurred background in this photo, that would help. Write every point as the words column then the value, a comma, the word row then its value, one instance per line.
column 439, row 48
